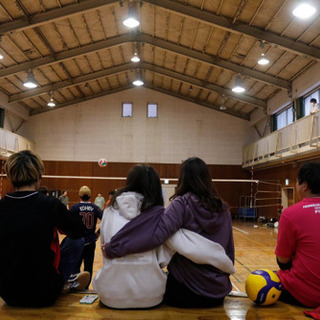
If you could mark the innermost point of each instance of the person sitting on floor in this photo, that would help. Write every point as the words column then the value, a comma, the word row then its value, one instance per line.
column 33, row 267
column 297, row 250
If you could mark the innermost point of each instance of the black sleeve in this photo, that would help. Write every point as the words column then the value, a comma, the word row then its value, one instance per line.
column 284, row 266
column 68, row 222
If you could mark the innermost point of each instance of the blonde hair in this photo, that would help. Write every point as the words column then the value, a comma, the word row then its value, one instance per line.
column 24, row 168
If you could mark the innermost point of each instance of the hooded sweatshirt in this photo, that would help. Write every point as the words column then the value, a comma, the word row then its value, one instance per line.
column 136, row 280
column 147, row 232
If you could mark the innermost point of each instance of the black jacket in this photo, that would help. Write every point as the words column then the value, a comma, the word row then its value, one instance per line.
column 28, row 223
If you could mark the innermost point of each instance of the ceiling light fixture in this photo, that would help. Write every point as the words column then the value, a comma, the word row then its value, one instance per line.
column 263, row 60
column 131, row 21
column 238, row 87
column 138, row 82
column 135, row 58
column 222, row 107
column 30, row 82
column 51, row 102
column 304, row 10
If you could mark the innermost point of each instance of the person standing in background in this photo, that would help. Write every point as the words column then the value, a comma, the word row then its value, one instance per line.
column 89, row 213
column 100, row 201
column 64, row 198
column 111, row 194
column 314, row 106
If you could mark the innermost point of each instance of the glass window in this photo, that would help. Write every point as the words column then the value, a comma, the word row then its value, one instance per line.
column 306, row 102
column 152, row 110
column 127, row 109
column 284, row 118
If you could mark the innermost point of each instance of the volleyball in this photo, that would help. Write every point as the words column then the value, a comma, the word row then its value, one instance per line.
column 263, row 287
column 102, row 162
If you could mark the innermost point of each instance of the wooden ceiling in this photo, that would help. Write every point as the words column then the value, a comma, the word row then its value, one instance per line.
column 190, row 49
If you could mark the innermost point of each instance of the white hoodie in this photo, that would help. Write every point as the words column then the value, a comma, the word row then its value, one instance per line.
column 137, row 280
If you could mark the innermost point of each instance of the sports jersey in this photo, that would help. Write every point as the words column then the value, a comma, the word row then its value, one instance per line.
column 89, row 214
column 299, row 239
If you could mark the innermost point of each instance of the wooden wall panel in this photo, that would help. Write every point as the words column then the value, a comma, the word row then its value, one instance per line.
column 230, row 192
column 91, row 174
column 281, row 173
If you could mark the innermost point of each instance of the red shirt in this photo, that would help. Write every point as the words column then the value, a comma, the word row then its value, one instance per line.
column 299, row 239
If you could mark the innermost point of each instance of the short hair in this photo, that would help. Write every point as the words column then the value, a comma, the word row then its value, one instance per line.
column 24, row 168
column 313, row 100
column 85, row 193
column 310, row 173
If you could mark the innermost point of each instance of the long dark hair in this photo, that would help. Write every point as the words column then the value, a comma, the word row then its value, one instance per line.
column 194, row 177
column 145, row 180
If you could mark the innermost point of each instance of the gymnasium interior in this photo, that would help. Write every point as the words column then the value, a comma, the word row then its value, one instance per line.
column 228, row 81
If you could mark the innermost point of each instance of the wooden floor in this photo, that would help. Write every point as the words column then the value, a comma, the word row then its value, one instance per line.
column 255, row 246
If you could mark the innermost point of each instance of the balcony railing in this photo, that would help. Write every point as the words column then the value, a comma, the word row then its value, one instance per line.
column 11, row 143
column 298, row 138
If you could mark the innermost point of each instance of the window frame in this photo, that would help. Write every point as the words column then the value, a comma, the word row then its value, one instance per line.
column 285, row 113
column 149, row 104
column 128, row 114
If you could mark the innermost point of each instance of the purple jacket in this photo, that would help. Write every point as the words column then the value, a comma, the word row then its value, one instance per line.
column 153, row 227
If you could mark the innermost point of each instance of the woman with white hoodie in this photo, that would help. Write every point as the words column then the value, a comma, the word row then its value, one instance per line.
column 137, row 280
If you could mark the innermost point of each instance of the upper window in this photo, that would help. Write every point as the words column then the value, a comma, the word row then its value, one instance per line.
column 284, row 118
column 127, row 109
column 152, row 110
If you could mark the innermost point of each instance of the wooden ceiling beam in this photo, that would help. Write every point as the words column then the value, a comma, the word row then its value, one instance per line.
column 180, row 8
column 144, row 38
column 183, row 8
column 204, row 85
column 53, row 15
column 82, row 99
column 71, row 82
column 257, row 103
column 215, row 61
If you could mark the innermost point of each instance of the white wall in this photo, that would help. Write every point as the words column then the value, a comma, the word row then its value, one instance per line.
column 94, row 129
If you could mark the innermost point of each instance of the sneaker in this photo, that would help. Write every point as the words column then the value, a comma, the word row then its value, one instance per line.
column 73, row 277
column 78, row 281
